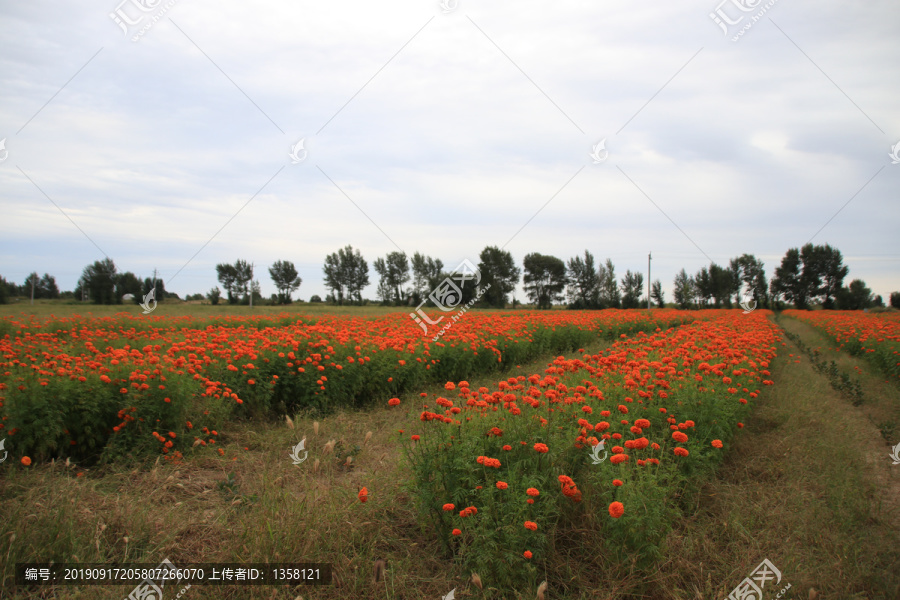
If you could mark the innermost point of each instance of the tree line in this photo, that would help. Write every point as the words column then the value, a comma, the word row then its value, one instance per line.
column 808, row 275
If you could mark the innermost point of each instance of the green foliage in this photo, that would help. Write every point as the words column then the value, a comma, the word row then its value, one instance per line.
column 230, row 490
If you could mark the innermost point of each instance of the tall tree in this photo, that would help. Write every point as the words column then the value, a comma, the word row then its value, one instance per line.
column 394, row 272
column 723, row 285
column 684, row 290
column 156, row 284
column 227, row 275
column 813, row 260
column 424, row 270
column 787, row 283
column 583, row 282
column 346, row 274
column 100, row 281
column 833, row 273
column 44, row 287
column 335, row 279
column 609, row 287
column 632, row 287
column 49, row 288
column 499, row 271
column 657, row 294
column 284, row 276
column 703, row 285
column 545, row 279
column 856, row 296
column 128, row 283
column 753, row 278
column 243, row 276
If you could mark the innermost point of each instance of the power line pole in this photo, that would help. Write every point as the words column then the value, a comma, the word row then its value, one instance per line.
column 252, row 265
column 648, row 281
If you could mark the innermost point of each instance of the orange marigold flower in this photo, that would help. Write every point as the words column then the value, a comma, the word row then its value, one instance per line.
column 456, row 532
column 542, row 448
column 623, row 409
column 642, row 423
column 618, row 458
column 681, row 451
column 502, row 485
column 527, row 554
column 717, row 443
column 616, row 510
column 448, row 507
column 678, row 436
column 363, row 494
column 415, row 438
column 26, row 461
column 532, row 492
column 531, row 525
column 507, row 447
column 617, row 482
column 449, row 386
column 394, row 401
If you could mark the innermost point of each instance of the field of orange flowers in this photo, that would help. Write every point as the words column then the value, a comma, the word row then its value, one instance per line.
column 498, row 469
column 91, row 388
column 874, row 336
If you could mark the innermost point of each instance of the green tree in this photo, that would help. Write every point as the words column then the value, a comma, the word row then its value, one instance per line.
column 128, row 283
column 424, row 270
column 227, row 275
column 346, row 274
column 393, row 271
column 812, row 259
column 545, row 279
column 214, row 295
column 243, row 276
column 895, row 299
column 284, row 276
column 856, row 296
column 786, row 283
column 100, row 281
column 49, row 289
column 583, row 282
column 44, row 287
column 156, row 284
column 753, row 278
column 499, row 271
column 657, row 294
column 609, row 287
column 684, row 291
column 833, row 273
column 632, row 286
column 723, row 284
column 703, row 287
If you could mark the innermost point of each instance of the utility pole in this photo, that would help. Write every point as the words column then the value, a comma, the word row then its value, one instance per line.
column 252, row 265
column 648, row 281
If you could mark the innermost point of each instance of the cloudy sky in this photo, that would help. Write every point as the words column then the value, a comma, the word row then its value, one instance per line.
column 159, row 133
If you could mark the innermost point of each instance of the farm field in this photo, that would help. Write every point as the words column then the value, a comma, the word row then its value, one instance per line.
column 132, row 439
